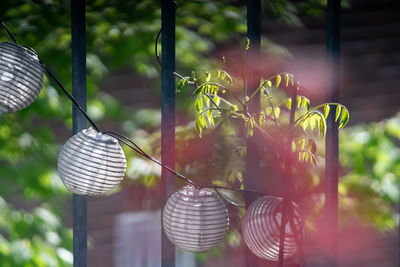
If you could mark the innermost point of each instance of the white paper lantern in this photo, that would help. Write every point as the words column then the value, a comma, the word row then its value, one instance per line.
column 21, row 77
column 262, row 226
column 91, row 163
column 195, row 220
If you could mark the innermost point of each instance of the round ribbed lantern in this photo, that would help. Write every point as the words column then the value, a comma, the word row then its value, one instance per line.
column 261, row 229
column 21, row 77
column 91, row 163
column 195, row 219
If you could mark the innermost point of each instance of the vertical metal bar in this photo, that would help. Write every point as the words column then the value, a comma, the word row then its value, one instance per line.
column 287, row 181
column 332, row 138
column 78, row 30
column 252, row 158
column 167, row 118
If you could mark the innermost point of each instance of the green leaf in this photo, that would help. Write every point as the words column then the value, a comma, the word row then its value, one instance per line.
column 288, row 103
column 203, row 120
column 199, row 104
column 302, row 143
column 338, row 109
column 299, row 100
column 182, row 84
column 247, row 43
column 210, row 117
column 322, row 126
column 344, row 118
column 278, row 80
column 261, row 119
column 224, row 76
column 312, row 122
column 326, row 111
column 277, row 111
column 305, row 124
column 305, row 103
column 249, row 127
column 217, row 100
column 287, row 79
column 207, row 101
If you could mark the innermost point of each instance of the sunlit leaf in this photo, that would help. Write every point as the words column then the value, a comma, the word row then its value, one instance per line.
column 182, row 84
column 247, row 46
column 210, row 117
column 278, row 80
column 305, row 103
column 338, row 109
column 344, row 118
column 199, row 104
column 287, row 79
column 207, row 101
column 277, row 112
column 288, row 103
column 299, row 100
column 326, row 111
column 217, row 100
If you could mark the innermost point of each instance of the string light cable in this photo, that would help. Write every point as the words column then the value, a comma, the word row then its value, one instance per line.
column 128, row 142
column 132, row 145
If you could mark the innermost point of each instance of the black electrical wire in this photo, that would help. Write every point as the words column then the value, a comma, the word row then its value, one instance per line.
column 51, row 75
column 70, row 96
column 8, row 31
column 128, row 142
column 125, row 140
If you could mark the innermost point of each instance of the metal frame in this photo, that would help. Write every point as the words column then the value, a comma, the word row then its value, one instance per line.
column 332, row 137
column 168, row 8
column 78, row 32
column 252, row 167
column 168, row 121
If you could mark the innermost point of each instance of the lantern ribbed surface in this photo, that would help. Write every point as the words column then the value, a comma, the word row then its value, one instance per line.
column 21, row 77
column 261, row 229
column 91, row 163
column 195, row 219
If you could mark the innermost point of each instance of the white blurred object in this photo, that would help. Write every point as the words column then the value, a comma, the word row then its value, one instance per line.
column 137, row 242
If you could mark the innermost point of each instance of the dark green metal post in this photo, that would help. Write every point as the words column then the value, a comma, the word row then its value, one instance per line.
column 167, row 118
column 78, row 30
column 332, row 137
column 252, row 159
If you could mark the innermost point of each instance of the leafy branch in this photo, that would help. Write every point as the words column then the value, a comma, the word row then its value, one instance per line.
column 215, row 100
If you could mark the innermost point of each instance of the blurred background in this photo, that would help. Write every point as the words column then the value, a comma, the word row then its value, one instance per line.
column 123, row 81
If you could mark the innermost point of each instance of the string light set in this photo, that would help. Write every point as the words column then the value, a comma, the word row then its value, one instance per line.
column 92, row 163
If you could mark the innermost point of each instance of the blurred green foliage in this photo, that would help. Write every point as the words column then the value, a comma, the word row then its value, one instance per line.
column 34, row 238
column 120, row 34
column 370, row 158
